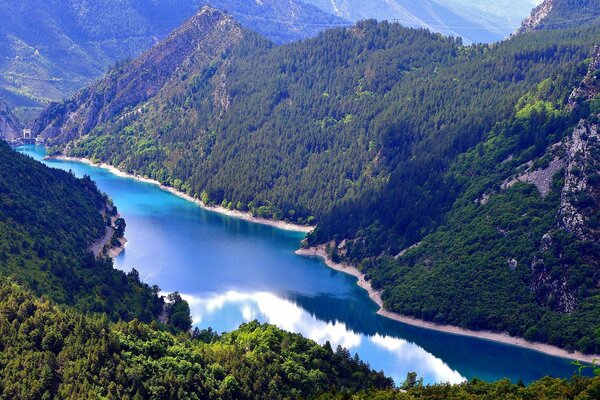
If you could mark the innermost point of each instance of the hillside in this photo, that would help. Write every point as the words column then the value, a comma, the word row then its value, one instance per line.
column 134, row 360
column 332, row 130
column 558, row 14
column 48, row 220
column 281, row 21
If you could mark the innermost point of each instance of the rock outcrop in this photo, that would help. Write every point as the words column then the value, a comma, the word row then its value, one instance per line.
column 200, row 41
column 590, row 85
column 10, row 128
column 581, row 193
column 579, row 201
column 534, row 21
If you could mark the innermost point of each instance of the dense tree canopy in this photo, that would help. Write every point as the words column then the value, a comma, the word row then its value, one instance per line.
column 48, row 220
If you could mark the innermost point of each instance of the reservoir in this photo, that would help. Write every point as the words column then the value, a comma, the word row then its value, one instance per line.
column 233, row 271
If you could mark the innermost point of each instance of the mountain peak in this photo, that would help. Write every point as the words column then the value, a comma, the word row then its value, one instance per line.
column 203, row 38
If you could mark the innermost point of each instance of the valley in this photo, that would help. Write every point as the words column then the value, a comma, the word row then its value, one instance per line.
column 288, row 199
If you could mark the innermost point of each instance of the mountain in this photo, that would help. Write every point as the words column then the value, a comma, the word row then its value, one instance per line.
column 475, row 21
column 10, row 128
column 51, row 49
column 196, row 46
column 48, row 222
column 387, row 137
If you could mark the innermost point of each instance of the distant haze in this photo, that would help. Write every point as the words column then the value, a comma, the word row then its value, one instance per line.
column 474, row 20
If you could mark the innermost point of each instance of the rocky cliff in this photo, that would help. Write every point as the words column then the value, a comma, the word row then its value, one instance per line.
column 9, row 126
column 560, row 14
column 579, row 198
column 538, row 14
column 198, row 44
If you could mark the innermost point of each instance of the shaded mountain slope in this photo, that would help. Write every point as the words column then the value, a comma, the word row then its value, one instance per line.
column 474, row 21
column 51, row 49
column 48, row 220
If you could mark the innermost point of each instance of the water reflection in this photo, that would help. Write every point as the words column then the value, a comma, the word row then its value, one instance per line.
column 399, row 355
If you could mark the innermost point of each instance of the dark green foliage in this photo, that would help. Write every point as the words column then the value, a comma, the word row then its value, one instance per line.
column 51, row 352
column 333, row 127
column 177, row 312
column 544, row 389
column 48, row 219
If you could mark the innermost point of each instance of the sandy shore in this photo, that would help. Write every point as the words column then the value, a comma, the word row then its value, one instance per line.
column 99, row 246
column 505, row 338
column 218, row 209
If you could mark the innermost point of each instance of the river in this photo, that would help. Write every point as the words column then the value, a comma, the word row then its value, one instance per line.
column 232, row 271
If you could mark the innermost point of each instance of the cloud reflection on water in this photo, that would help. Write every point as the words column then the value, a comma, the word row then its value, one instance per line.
column 400, row 355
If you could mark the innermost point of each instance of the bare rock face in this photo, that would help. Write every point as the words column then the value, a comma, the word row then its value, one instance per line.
column 199, row 41
column 579, row 201
column 10, row 129
column 581, row 193
column 538, row 14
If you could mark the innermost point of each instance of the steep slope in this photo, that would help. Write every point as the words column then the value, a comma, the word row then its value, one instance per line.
column 474, row 21
column 48, row 220
column 519, row 250
column 10, row 128
column 281, row 21
column 197, row 45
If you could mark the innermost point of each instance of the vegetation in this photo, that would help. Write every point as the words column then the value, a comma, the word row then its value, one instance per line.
column 52, row 352
column 48, row 220
column 543, row 389
column 49, row 351
column 51, row 50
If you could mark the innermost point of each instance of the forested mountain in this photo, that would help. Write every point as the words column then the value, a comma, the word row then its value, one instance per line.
column 10, row 128
column 51, row 49
column 387, row 137
column 476, row 21
column 48, row 220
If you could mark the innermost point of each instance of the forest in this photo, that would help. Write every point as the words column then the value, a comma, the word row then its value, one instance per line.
column 49, row 352
column 48, row 220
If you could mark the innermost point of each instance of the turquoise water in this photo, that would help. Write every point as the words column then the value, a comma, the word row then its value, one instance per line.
column 233, row 271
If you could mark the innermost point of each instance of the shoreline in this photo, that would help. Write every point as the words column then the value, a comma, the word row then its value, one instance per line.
column 244, row 215
column 503, row 338
column 102, row 245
